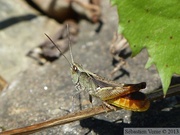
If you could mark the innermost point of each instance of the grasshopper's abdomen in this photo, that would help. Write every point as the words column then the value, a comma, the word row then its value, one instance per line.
column 135, row 102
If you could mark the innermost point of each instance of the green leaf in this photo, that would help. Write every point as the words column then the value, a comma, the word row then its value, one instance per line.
column 154, row 25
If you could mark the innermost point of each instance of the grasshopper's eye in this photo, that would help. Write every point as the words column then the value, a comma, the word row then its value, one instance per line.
column 75, row 68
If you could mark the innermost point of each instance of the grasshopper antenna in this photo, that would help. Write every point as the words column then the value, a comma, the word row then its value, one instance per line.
column 69, row 43
column 58, row 48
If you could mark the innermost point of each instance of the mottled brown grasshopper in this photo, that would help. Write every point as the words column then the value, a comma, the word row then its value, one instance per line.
column 126, row 96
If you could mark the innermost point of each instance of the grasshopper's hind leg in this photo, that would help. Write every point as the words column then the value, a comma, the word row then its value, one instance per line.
column 107, row 105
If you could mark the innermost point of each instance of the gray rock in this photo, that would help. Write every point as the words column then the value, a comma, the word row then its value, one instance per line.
column 36, row 93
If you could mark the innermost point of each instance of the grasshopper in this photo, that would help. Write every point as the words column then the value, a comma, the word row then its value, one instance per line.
column 112, row 94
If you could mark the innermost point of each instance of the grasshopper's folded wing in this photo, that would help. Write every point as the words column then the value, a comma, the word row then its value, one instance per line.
column 106, row 93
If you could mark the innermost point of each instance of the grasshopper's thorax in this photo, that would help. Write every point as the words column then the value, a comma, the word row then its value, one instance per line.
column 81, row 78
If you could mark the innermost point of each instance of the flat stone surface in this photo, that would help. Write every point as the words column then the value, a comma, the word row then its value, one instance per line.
column 36, row 93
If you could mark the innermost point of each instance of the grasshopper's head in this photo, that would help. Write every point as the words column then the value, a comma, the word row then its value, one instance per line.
column 76, row 70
